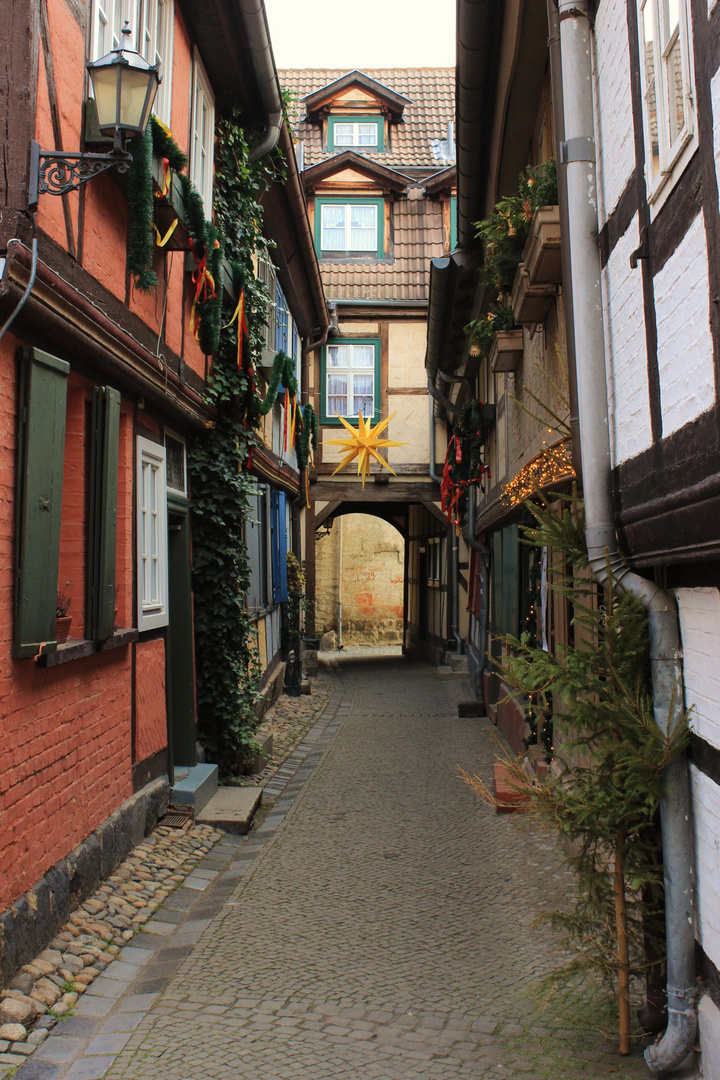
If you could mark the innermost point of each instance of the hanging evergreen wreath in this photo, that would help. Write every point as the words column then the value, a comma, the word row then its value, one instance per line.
column 464, row 463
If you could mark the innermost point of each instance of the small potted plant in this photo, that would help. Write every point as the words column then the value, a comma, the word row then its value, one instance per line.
column 62, row 619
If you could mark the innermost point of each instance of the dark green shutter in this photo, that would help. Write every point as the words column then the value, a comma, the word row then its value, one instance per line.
column 510, row 580
column 103, row 513
column 41, row 452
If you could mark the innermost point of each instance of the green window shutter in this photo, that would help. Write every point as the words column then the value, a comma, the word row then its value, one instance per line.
column 41, row 452
column 510, row 580
column 103, row 513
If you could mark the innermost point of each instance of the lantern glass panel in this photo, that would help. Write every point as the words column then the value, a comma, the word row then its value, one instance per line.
column 105, row 86
column 133, row 92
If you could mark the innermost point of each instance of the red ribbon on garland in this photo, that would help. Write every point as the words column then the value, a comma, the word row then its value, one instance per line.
column 204, row 287
column 451, row 491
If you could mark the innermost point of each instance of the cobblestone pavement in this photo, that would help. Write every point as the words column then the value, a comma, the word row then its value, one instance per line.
column 378, row 924
column 288, row 721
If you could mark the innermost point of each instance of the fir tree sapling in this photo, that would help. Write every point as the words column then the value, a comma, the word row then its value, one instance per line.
column 606, row 783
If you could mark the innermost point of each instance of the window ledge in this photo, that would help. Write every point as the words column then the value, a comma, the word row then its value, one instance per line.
column 76, row 650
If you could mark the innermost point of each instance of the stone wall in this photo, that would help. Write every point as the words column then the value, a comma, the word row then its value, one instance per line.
column 37, row 915
column 373, row 567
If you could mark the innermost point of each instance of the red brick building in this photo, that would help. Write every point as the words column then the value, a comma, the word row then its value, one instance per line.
column 101, row 393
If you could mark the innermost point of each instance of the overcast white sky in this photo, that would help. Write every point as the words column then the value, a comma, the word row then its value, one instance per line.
column 372, row 33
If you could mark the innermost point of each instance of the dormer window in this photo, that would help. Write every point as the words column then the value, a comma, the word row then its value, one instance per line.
column 347, row 132
column 347, row 228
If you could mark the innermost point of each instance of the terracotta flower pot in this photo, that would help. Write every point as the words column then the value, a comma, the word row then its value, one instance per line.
column 62, row 628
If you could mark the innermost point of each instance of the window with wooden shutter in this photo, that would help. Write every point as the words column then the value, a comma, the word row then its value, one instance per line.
column 100, row 619
column 278, row 530
column 41, row 451
column 152, row 571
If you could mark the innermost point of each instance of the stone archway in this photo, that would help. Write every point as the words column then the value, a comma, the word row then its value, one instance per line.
column 360, row 580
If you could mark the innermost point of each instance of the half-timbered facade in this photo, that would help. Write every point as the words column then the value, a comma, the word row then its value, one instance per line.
column 377, row 149
column 653, row 142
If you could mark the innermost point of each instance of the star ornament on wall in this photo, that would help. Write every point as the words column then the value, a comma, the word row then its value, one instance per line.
column 363, row 444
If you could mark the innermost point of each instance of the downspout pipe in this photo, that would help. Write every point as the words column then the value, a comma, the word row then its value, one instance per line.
column 578, row 159
column 452, row 536
column 484, row 553
column 559, row 124
column 258, row 36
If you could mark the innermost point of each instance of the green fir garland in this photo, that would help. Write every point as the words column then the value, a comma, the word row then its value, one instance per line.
column 283, row 374
column 307, row 433
column 165, row 146
column 141, row 239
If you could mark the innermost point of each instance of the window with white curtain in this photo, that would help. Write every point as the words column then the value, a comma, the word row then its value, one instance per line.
column 202, row 145
column 355, row 134
column 152, row 565
column 350, row 379
column 361, row 132
column 667, row 86
column 349, row 227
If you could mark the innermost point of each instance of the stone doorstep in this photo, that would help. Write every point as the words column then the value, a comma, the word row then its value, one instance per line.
column 263, row 756
column 508, row 798
column 446, row 671
column 231, row 809
column 196, row 788
column 471, row 708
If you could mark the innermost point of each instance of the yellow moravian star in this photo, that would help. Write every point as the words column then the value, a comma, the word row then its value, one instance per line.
column 363, row 444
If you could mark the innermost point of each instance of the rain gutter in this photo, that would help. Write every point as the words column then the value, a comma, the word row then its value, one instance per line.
column 258, row 38
column 577, row 160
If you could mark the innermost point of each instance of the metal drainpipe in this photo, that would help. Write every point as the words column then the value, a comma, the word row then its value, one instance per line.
column 578, row 152
column 484, row 553
column 340, row 582
column 28, row 289
column 261, row 54
column 557, row 105
column 454, row 545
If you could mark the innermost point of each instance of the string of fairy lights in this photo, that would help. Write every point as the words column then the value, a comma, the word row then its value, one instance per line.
column 551, row 466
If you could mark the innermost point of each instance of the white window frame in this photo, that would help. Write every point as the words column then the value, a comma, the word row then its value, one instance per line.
column 266, row 272
column 202, row 140
column 673, row 154
column 152, row 36
column 355, row 126
column 347, row 207
column 350, row 371
column 108, row 19
column 156, row 30
column 152, row 611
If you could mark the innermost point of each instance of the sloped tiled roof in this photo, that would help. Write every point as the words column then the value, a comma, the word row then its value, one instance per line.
column 417, row 221
column 418, row 237
column 431, row 94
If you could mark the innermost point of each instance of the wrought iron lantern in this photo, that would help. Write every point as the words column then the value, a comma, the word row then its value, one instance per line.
column 124, row 88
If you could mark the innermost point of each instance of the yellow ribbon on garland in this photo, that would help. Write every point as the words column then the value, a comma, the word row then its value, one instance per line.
column 161, row 241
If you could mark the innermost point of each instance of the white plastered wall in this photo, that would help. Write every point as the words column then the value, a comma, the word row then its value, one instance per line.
column 613, row 107
column 700, row 626
column 626, row 351
column 685, row 351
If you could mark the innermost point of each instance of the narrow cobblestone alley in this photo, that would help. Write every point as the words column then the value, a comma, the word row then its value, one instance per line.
column 378, row 924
